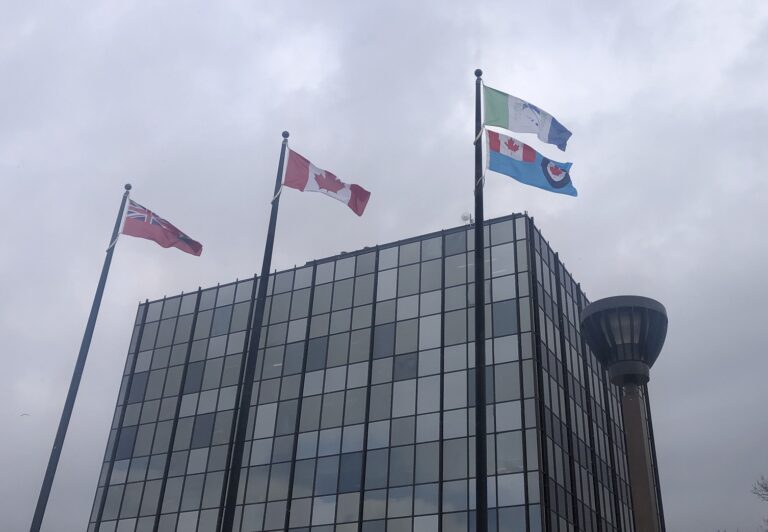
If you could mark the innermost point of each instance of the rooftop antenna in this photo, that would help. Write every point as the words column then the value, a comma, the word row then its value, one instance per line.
column 466, row 217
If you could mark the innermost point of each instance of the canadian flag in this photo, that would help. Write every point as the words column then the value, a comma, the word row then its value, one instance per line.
column 511, row 147
column 305, row 176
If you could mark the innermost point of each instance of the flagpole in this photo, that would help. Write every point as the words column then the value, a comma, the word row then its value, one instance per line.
column 58, row 442
column 481, row 488
column 246, row 385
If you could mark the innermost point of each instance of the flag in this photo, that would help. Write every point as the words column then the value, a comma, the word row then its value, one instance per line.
column 305, row 176
column 143, row 223
column 517, row 115
column 511, row 157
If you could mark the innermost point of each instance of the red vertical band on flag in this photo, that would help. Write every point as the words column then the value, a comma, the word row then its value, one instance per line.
column 529, row 154
column 296, row 171
column 359, row 199
column 494, row 143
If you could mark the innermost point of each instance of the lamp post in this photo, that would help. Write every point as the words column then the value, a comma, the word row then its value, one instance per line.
column 626, row 334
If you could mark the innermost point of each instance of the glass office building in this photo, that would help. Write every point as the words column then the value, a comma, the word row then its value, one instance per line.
column 362, row 417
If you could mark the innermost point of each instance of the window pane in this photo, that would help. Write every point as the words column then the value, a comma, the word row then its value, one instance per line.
column 507, row 381
column 410, row 253
column 503, row 260
column 455, row 390
column 387, row 258
column 509, row 452
column 455, row 458
column 404, row 398
column 384, row 340
column 504, row 288
column 429, row 394
column 381, row 397
column 425, row 501
column 455, row 242
column 324, row 272
column 407, row 307
column 326, row 475
column 408, row 280
column 279, row 307
column 345, row 268
column 387, row 285
column 429, row 332
column 365, row 263
column 455, row 423
column 378, row 434
column 304, row 478
column 302, row 277
column 430, row 275
column 342, row 294
column 511, row 490
column 283, row 282
column 504, row 318
column 502, row 232
column 455, row 270
column 405, row 367
column 322, row 301
column 508, row 416
column 455, row 327
column 401, row 466
column 402, row 430
column 431, row 249
column 407, row 332
column 300, row 304
column 427, row 462
column 455, row 496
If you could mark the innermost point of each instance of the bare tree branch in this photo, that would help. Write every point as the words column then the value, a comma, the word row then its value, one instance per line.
column 761, row 488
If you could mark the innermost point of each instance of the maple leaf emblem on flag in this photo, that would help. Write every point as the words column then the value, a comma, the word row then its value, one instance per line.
column 512, row 145
column 555, row 170
column 328, row 181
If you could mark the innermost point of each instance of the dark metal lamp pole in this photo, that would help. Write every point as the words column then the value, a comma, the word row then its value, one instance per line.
column 626, row 333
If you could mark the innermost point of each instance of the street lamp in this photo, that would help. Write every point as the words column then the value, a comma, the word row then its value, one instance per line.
column 626, row 334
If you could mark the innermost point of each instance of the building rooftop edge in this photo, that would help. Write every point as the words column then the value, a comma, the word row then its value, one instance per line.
column 365, row 249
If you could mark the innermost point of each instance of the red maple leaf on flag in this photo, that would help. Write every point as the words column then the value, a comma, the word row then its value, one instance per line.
column 555, row 170
column 328, row 181
column 512, row 145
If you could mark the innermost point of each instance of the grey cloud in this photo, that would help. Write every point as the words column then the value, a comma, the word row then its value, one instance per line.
column 187, row 102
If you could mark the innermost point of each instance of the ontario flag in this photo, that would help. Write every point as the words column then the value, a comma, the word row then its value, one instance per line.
column 143, row 223
column 305, row 176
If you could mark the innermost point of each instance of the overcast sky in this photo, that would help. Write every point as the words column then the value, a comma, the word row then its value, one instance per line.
column 186, row 101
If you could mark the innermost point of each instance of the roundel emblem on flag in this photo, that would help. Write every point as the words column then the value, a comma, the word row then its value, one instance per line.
column 557, row 176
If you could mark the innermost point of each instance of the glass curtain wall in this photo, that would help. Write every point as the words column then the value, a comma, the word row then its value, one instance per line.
column 586, row 471
column 362, row 417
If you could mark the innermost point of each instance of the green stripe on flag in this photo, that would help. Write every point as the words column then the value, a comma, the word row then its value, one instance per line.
column 496, row 108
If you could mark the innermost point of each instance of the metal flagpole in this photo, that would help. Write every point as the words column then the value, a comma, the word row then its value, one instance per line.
column 58, row 442
column 246, row 385
column 481, row 489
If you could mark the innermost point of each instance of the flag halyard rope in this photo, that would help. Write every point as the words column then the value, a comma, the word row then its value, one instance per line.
column 278, row 194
